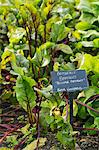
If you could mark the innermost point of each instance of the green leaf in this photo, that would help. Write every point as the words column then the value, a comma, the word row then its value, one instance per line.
column 75, row 108
column 45, row 91
column 45, row 9
column 78, row 58
column 76, row 35
column 95, row 8
column 92, row 113
column 96, row 122
column 58, row 32
column 56, row 66
column 42, row 57
column 89, row 10
column 46, row 61
column 64, row 48
column 16, row 34
column 68, row 66
column 62, row 103
column 35, row 59
column 66, row 140
column 90, row 63
column 95, row 64
column 31, row 8
column 49, row 104
column 92, row 90
column 95, row 80
column 24, row 129
column 50, row 23
column 17, row 70
column 31, row 81
column 7, row 56
column 89, row 33
column 6, row 95
column 85, row 5
column 5, row 148
column 88, row 17
column 96, row 43
column 22, row 61
column 46, row 45
column 86, row 63
column 89, row 124
column 87, row 43
column 91, row 132
column 33, row 145
column 45, row 104
column 83, row 25
column 49, row 119
column 24, row 92
column 82, row 113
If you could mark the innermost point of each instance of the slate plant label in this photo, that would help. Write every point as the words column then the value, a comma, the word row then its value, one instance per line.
column 70, row 81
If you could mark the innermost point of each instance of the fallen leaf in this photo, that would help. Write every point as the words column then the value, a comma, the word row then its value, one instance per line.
column 24, row 130
column 83, row 140
column 5, row 148
column 33, row 145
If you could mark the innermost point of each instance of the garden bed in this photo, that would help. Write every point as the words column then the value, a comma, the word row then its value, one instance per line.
column 9, row 121
column 38, row 37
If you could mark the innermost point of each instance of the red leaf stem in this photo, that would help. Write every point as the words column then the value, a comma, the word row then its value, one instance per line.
column 86, row 106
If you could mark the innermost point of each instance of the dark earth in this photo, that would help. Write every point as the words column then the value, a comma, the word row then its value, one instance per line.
column 83, row 142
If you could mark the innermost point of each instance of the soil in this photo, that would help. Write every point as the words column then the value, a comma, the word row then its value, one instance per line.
column 52, row 143
column 83, row 142
column 88, row 142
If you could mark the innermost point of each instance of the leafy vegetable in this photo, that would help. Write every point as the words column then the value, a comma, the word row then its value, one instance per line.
column 24, row 92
